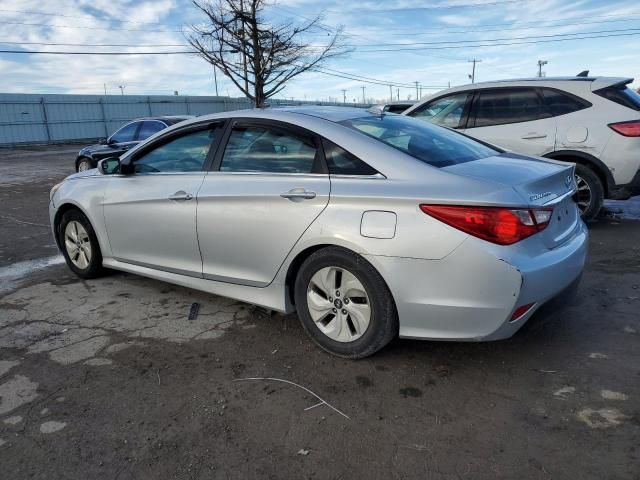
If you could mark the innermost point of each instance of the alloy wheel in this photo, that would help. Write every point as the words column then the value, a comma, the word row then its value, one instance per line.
column 83, row 166
column 583, row 196
column 338, row 304
column 77, row 244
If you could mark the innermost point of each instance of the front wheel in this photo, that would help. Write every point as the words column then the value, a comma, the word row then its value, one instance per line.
column 84, row 164
column 80, row 245
column 344, row 304
column 590, row 194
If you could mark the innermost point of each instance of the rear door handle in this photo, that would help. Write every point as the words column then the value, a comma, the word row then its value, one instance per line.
column 298, row 193
column 533, row 136
column 180, row 195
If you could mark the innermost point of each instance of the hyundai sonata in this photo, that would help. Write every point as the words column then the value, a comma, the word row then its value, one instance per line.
column 369, row 225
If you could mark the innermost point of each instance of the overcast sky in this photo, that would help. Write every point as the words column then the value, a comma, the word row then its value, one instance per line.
column 396, row 41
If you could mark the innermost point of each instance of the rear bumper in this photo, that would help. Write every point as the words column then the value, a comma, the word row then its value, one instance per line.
column 623, row 192
column 470, row 295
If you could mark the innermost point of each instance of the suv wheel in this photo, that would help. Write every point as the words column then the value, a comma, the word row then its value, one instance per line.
column 344, row 304
column 590, row 194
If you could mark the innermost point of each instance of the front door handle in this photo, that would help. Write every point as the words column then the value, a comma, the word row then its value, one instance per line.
column 180, row 195
column 533, row 136
column 298, row 194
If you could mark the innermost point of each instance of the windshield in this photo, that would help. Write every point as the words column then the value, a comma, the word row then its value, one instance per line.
column 429, row 143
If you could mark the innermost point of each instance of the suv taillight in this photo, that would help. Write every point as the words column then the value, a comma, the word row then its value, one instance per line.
column 628, row 129
column 503, row 226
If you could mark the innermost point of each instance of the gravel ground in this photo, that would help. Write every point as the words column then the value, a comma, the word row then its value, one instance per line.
column 109, row 378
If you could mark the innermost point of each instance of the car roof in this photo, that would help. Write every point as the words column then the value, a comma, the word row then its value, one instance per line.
column 170, row 119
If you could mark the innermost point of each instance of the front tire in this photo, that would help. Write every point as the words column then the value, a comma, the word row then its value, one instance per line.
column 344, row 304
column 79, row 245
column 590, row 194
column 84, row 164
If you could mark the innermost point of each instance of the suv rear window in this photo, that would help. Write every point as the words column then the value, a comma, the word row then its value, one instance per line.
column 560, row 103
column 622, row 95
column 437, row 146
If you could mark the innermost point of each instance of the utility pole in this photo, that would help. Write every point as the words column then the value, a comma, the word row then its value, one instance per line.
column 105, row 89
column 540, row 64
column 417, row 83
column 344, row 96
column 390, row 93
column 215, row 79
column 398, row 93
column 473, row 71
column 122, row 87
column 363, row 98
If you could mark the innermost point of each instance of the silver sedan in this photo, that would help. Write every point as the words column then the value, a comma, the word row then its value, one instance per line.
column 369, row 225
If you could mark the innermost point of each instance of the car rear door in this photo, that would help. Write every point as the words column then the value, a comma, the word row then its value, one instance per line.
column 268, row 184
column 513, row 118
column 150, row 214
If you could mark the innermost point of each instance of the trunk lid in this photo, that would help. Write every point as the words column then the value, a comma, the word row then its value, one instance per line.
column 540, row 183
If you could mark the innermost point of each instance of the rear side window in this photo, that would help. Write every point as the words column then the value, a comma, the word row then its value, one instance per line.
column 268, row 150
column 395, row 108
column 447, row 111
column 622, row 95
column 559, row 103
column 148, row 128
column 341, row 162
column 508, row 105
column 437, row 146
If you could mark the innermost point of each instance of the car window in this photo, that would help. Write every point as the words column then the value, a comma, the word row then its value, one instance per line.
column 341, row 162
column 559, row 103
column 125, row 134
column 446, row 111
column 187, row 153
column 269, row 150
column 148, row 128
column 396, row 108
column 622, row 95
column 509, row 105
column 428, row 143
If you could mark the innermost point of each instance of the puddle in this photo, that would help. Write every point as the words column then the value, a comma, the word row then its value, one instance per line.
column 12, row 275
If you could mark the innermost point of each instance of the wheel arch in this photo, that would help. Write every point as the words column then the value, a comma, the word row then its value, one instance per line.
column 62, row 209
column 583, row 158
column 296, row 263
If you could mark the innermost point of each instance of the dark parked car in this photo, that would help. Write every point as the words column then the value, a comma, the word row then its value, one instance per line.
column 127, row 136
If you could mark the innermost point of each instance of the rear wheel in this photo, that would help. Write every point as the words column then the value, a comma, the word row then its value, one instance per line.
column 344, row 304
column 590, row 194
column 79, row 245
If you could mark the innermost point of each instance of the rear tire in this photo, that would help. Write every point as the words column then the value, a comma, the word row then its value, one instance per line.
column 79, row 245
column 344, row 304
column 590, row 195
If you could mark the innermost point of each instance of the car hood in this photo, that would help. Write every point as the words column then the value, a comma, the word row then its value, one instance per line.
column 87, row 173
column 537, row 180
column 99, row 149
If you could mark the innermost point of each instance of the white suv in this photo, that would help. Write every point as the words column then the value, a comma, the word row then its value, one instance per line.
column 593, row 122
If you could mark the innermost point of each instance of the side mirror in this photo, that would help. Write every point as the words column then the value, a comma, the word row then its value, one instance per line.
column 102, row 141
column 108, row 166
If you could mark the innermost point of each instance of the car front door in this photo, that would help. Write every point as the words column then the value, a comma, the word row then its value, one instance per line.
column 267, row 186
column 150, row 214
column 514, row 119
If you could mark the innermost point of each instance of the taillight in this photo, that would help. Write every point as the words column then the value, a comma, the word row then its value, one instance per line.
column 503, row 226
column 628, row 129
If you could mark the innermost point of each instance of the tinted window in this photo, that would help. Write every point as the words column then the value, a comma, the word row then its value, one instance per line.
column 621, row 95
column 183, row 154
column 446, row 111
column 497, row 107
column 341, row 162
column 395, row 108
column 269, row 150
column 126, row 133
column 431, row 144
column 559, row 103
column 148, row 128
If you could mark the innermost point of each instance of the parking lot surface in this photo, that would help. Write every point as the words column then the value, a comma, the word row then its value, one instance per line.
column 109, row 378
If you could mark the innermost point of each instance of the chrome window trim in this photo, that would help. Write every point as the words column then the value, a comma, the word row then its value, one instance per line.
column 278, row 174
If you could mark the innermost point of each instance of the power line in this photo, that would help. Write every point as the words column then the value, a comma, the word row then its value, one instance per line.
column 86, row 28
column 95, row 44
column 84, row 17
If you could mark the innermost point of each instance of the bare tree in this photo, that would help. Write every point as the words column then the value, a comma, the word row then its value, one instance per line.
column 258, row 57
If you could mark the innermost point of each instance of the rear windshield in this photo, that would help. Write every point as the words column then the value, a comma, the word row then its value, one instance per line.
column 621, row 95
column 429, row 143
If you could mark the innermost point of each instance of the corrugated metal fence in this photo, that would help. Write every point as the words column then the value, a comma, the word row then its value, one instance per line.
column 32, row 118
